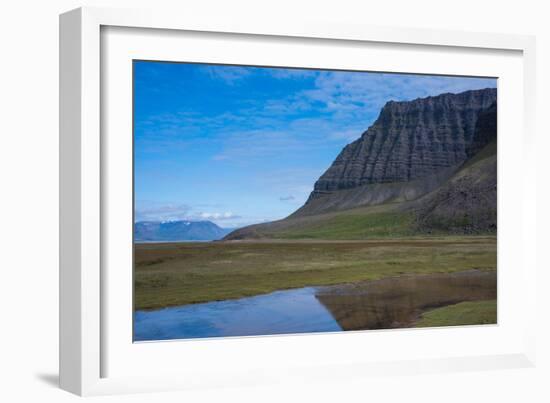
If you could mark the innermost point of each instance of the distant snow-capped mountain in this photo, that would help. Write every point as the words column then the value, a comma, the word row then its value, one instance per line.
column 151, row 231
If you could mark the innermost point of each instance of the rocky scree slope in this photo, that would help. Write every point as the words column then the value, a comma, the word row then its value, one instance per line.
column 467, row 202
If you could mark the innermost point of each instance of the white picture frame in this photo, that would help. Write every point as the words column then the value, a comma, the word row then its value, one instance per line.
column 88, row 339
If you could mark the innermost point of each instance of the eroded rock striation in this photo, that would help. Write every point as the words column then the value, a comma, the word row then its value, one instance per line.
column 467, row 202
column 410, row 141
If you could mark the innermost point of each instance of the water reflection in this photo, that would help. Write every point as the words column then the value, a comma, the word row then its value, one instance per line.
column 388, row 303
column 280, row 312
column 397, row 302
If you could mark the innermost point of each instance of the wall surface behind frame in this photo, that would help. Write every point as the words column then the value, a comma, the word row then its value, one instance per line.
column 29, row 202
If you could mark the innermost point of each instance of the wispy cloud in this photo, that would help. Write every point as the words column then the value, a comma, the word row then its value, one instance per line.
column 228, row 215
column 153, row 211
column 348, row 95
column 271, row 132
column 228, row 74
column 293, row 74
column 336, row 108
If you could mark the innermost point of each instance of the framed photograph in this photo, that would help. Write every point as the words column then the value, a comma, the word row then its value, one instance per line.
column 247, row 202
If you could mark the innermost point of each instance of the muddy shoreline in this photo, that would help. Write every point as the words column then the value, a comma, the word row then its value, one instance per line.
column 398, row 302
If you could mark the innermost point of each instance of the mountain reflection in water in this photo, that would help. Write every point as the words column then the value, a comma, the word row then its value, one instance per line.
column 382, row 304
column 397, row 302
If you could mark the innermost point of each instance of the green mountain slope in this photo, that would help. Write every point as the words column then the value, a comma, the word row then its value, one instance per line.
column 465, row 204
column 454, row 198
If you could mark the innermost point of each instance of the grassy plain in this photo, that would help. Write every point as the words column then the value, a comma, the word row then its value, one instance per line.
column 168, row 274
column 463, row 313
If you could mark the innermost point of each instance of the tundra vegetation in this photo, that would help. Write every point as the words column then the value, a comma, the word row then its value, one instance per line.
column 414, row 195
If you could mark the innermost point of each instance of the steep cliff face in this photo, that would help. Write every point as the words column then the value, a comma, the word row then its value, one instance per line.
column 485, row 131
column 410, row 141
column 425, row 166
column 467, row 202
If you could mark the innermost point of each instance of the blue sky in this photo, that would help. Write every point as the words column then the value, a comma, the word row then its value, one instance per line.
column 240, row 145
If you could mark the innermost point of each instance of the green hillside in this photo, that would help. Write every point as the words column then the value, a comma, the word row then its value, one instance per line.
column 353, row 224
column 464, row 204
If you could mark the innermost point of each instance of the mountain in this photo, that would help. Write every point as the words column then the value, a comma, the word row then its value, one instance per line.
column 412, row 148
column 169, row 231
column 424, row 166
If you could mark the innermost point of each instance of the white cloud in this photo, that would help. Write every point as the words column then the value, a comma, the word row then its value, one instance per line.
column 356, row 92
column 218, row 216
column 289, row 73
column 336, row 110
column 228, row 74
column 152, row 211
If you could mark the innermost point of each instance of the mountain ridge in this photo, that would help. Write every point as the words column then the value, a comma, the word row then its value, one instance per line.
column 446, row 187
column 409, row 140
column 447, row 121
column 178, row 230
